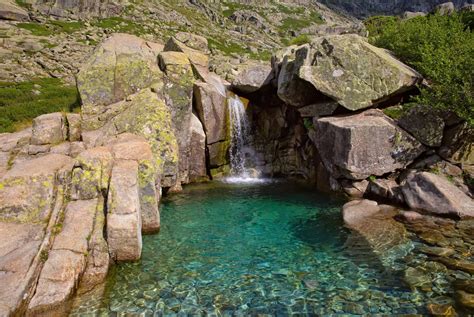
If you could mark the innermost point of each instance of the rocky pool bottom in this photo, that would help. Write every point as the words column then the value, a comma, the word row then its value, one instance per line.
column 280, row 248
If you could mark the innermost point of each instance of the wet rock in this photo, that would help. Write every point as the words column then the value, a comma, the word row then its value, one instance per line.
column 212, row 111
column 433, row 237
column 49, row 129
column 361, row 145
column 253, row 78
column 432, row 193
column 355, row 189
column 416, row 277
column 426, row 125
column 357, row 210
column 454, row 264
column 387, row 189
column 437, row 251
column 343, row 67
column 464, row 299
column 123, row 213
column 441, row 310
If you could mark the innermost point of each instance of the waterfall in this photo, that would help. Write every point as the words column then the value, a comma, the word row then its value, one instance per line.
column 240, row 139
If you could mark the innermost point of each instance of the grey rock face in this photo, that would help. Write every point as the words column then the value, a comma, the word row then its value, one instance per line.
column 361, row 145
column 435, row 194
column 364, row 8
column 10, row 11
column 424, row 124
column 253, row 78
column 79, row 8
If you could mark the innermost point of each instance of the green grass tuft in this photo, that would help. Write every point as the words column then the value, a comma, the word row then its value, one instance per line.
column 20, row 102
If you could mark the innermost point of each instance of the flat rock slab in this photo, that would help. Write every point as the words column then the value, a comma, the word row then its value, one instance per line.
column 27, row 190
column 19, row 244
column 66, row 259
column 365, row 144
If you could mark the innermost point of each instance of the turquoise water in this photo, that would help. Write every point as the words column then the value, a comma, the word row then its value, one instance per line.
column 245, row 249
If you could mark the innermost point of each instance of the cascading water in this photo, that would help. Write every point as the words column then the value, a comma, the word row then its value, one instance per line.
column 240, row 140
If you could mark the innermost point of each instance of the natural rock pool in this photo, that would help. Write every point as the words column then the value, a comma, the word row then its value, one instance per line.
column 257, row 248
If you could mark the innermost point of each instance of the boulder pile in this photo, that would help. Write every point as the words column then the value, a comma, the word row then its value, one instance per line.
column 77, row 191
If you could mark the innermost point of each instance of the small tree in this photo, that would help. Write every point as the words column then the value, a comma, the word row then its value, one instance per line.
column 442, row 49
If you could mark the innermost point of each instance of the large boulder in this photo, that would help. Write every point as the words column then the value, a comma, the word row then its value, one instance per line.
column 121, row 66
column 349, row 70
column 435, row 194
column 446, row 8
column 143, row 114
column 10, row 11
column 178, row 92
column 425, row 124
column 253, row 78
column 365, row 144
column 212, row 111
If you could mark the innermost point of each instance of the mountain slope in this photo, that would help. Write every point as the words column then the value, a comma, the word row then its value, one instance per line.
column 364, row 8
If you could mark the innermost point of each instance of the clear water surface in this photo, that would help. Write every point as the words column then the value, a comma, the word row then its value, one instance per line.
column 273, row 248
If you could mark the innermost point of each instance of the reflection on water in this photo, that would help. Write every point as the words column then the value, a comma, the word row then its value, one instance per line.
column 245, row 249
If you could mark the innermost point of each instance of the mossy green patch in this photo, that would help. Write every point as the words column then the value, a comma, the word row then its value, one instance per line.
column 21, row 102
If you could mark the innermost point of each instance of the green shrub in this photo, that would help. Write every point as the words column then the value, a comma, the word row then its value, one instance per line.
column 21, row 102
column 442, row 49
column 300, row 40
column 37, row 29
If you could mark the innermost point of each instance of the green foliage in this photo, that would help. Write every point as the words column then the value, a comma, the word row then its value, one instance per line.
column 37, row 29
column 395, row 112
column 52, row 27
column 300, row 40
column 308, row 124
column 442, row 49
column 376, row 24
column 23, row 3
column 119, row 24
column 44, row 255
column 68, row 27
column 233, row 48
column 21, row 102
column 372, row 178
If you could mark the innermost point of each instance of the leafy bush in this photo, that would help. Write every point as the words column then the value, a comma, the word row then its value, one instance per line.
column 21, row 102
column 300, row 40
column 442, row 49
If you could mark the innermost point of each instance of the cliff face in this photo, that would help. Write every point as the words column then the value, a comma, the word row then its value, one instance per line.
column 364, row 8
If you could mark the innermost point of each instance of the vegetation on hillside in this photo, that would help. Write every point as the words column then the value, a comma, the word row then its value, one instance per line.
column 442, row 49
column 21, row 102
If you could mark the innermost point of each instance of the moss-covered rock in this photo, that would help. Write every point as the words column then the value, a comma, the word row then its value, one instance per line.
column 123, row 65
column 349, row 70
